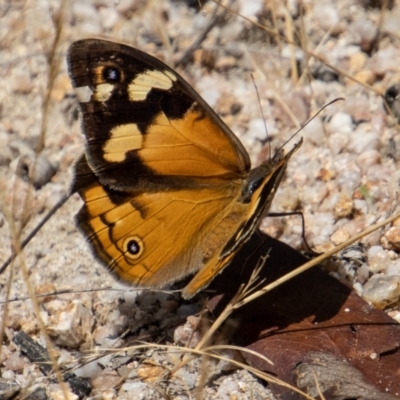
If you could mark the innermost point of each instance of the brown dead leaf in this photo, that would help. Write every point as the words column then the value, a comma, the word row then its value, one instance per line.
column 315, row 330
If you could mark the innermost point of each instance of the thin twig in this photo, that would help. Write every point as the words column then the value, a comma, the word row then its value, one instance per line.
column 187, row 55
column 32, row 234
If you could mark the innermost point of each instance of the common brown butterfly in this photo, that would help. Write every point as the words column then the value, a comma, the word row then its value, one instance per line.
column 168, row 189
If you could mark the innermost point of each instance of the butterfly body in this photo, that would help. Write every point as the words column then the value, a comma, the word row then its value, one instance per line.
column 167, row 188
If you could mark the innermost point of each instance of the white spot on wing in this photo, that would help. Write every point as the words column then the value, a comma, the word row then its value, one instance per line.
column 103, row 91
column 84, row 94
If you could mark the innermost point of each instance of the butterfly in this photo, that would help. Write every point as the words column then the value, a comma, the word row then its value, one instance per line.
column 168, row 189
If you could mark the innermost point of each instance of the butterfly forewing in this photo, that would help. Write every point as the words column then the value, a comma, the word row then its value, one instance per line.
column 144, row 125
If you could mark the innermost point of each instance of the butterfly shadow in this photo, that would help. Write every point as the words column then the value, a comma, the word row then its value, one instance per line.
column 313, row 294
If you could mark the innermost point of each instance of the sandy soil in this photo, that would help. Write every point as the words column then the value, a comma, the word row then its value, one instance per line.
column 344, row 178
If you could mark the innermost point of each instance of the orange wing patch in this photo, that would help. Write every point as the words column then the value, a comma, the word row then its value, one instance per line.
column 146, row 241
column 191, row 146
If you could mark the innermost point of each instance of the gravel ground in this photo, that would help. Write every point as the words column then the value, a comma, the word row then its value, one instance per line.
column 344, row 178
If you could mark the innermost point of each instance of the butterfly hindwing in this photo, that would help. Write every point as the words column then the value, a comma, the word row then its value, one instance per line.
column 144, row 240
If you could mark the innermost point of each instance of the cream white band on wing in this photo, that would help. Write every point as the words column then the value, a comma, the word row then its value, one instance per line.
column 140, row 87
column 123, row 138
column 103, row 91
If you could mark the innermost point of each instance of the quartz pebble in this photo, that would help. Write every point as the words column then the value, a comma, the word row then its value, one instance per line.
column 337, row 142
column 314, row 131
column 71, row 325
column 343, row 178
column 14, row 363
column 393, row 236
column 8, row 375
column 391, row 21
column 340, row 236
column 188, row 334
column 229, row 388
column 367, row 159
column 340, row 123
column 60, row 395
column 382, row 291
column 142, row 390
column 385, row 60
column 364, row 32
column 327, row 17
column 105, row 379
column 378, row 259
column 344, row 206
column 393, row 268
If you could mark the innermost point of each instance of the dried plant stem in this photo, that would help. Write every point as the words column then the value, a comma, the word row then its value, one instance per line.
column 208, row 352
column 308, row 52
column 238, row 300
column 290, row 36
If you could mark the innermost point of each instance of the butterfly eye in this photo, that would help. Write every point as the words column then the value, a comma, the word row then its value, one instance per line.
column 111, row 74
column 255, row 185
column 133, row 247
column 251, row 186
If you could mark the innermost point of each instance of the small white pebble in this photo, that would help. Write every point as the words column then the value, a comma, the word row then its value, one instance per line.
column 367, row 159
column 362, row 140
column 256, row 130
column 385, row 60
column 314, row 132
column 109, row 16
column 251, row 8
column 382, row 291
column 363, row 31
column 393, row 269
column 327, row 17
column 7, row 374
column 340, row 236
column 373, row 356
column 378, row 259
column 362, row 274
column 337, row 142
column 341, row 123
column 358, row 288
column 228, row 389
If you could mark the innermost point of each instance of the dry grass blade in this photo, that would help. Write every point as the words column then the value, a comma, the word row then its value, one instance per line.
column 32, row 234
column 309, row 53
column 238, row 300
column 189, row 52
column 286, row 43
column 53, row 61
column 315, row 261
column 206, row 352
column 231, row 347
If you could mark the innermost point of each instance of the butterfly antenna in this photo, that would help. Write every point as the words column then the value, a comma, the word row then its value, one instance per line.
column 262, row 114
column 310, row 119
column 37, row 228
